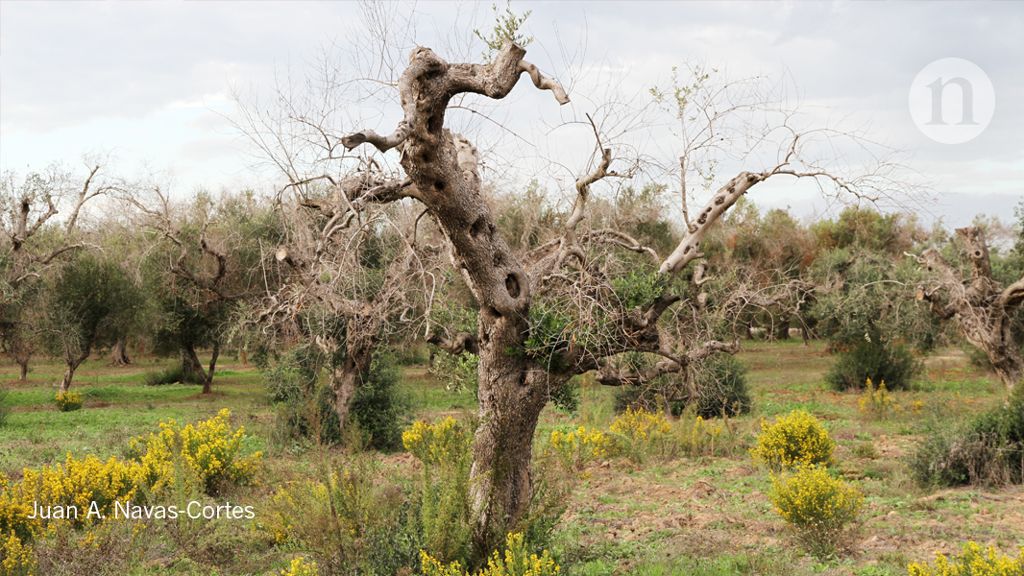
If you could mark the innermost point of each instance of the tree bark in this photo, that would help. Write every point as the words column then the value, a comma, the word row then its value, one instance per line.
column 208, row 380
column 980, row 307
column 191, row 368
column 346, row 379
column 782, row 329
column 511, row 397
column 119, row 353
column 23, row 371
column 69, row 374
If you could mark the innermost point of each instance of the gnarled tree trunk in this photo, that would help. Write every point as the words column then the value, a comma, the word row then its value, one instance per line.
column 441, row 172
column 119, row 353
column 980, row 307
column 70, row 366
column 192, row 370
column 346, row 379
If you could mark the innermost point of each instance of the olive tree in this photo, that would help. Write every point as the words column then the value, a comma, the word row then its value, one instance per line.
column 442, row 173
column 983, row 310
column 39, row 224
column 207, row 257
column 86, row 302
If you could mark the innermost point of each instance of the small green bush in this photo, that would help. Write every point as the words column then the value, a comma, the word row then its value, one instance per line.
column 987, row 450
column 172, row 375
column 892, row 363
column 306, row 402
column 348, row 520
column 5, row 409
column 721, row 387
column 378, row 408
column 457, row 372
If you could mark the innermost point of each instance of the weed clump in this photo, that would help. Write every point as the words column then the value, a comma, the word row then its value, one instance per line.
column 578, row 447
column 301, row 567
column 443, row 448
column 638, row 433
column 876, row 401
column 347, row 520
column 986, row 450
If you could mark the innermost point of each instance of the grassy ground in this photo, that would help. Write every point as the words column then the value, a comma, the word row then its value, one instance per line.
column 706, row 516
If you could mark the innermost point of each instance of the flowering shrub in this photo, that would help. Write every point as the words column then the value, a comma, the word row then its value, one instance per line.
column 347, row 520
column 792, row 440
column 972, row 561
column 68, row 401
column 576, row 448
column 638, row 431
column 515, row 561
column 702, row 437
column 299, row 567
column 816, row 505
column 435, row 443
column 16, row 558
column 209, row 449
column 876, row 401
column 78, row 483
column 443, row 448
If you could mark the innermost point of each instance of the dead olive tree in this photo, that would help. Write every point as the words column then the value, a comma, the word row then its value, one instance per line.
column 39, row 221
column 442, row 173
column 980, row 307
column 351, row 280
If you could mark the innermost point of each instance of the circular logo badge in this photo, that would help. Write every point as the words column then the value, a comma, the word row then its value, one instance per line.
column 952, row 100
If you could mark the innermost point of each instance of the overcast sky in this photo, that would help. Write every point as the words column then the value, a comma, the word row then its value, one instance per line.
column 148, row 83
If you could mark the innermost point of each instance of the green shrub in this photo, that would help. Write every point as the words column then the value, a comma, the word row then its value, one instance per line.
column 5, row 409
column 172, row 375
column 350, row 521
column 378, row 408
column 721, row 382
column 296, row 382
column 796, row 439
column 456, row 371
column 874, row 359
column 987, row 450
column 816, row 505
column 68, row 401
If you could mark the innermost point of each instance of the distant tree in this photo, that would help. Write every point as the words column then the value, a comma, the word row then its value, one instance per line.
column 985, row 311
column 208, row 257
column 86, row 302
column 39, row 224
